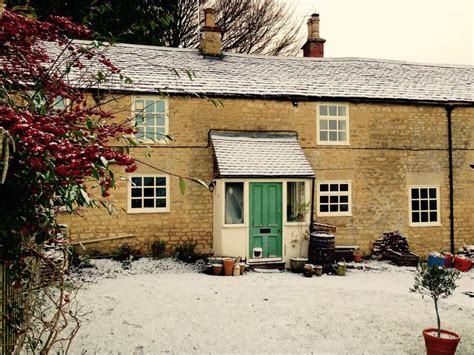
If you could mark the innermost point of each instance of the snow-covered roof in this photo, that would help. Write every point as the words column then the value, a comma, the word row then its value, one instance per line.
column 155, row 69
column 259, row 154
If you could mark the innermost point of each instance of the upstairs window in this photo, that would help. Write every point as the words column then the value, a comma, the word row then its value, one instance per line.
column 424, row 206
column 333, row 124
column 150, row 118
column 334, row 198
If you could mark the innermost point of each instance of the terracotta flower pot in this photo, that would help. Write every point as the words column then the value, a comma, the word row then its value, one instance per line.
column 444, row 345
column 217, row 269
column 228, row 266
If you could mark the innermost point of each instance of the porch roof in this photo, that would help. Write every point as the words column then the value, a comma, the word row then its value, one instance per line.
column 259, row 154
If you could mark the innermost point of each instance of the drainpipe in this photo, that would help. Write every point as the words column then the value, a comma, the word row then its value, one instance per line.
column 449, row 110
column 311, row 226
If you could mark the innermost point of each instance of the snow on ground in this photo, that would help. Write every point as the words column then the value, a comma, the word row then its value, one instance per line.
column 167, row 307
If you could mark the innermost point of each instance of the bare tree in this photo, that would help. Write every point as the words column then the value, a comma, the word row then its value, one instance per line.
column 248, row 26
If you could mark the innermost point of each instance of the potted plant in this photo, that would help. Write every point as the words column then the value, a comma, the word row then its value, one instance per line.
column 438, row 283
column 297, row 263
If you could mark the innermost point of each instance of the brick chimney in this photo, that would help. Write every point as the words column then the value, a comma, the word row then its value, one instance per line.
column 210, row 35
column 314, row 46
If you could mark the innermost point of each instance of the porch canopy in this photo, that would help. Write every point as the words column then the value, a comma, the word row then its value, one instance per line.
column 259, row 155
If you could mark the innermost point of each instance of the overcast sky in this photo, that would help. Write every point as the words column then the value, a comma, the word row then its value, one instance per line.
column 428, row 31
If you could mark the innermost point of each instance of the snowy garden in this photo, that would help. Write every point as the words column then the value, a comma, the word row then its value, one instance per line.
column 165, row 306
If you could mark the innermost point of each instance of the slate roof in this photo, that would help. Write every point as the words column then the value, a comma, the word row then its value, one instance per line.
column 154, row 69
column 259, row 154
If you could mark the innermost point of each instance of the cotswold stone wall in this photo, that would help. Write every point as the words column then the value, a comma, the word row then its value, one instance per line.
column 391, row 147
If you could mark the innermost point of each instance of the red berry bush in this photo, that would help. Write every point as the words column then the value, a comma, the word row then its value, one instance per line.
column 60, row 141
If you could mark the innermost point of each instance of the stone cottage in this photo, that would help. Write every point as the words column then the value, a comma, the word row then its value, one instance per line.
column 369, row 145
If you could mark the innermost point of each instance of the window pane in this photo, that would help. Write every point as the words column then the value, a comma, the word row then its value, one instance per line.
column 323, row 124
column 295, row 209
column 415, row 205
column 344, row 208
column 342, row 125
column 323, row 208
column 332, row 110
column 161, row 202
column 148, row 181
column 333, row 136
column 323, row 199
column 136, row 192
column 234, row 203
column 149, row 192
column 432, row 193
column 332, row 124
column 415, row 193
column 160, row 130
column 161, row 192
column 433, row 217
column 344, row 199
column 150, row 105
column 342, row 136
column 160, row 181
column 148, row 203
column 59, row 103
column 150, row 120
column 138, row 105
column 424, row 205
column 136, row 181
column 323, row 110
column 160, row 106
column 333, row 199
column 334, row 187
column 424, row 217
column 323, row 136
column 433, row 205
column 344, row 187
column 160, row 120
column 324, row 187
column 424, row 193
column 136, row 203
column 415, row 217
column 333, row 208
column 341, row 110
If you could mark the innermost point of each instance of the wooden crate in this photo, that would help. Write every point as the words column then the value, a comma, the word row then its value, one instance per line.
column 404, row 259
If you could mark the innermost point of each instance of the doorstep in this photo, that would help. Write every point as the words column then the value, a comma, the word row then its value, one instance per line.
column 266, row 264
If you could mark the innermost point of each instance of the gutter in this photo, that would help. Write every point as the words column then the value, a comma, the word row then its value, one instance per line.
column 449, row 109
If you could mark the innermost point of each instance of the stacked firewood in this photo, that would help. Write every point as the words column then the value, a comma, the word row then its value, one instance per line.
column 390, row 242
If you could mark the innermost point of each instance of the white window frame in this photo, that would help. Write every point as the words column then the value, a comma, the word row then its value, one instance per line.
column 244, row 211
column 438, row 206
column 328, row 193
column 147, row 209
column 156, row 140
column 345, row 118
column 306, row 200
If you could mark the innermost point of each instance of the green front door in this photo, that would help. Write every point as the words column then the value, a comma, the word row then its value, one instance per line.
column 266, row 219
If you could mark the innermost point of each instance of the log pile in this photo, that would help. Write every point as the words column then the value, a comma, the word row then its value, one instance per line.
column 394, row 246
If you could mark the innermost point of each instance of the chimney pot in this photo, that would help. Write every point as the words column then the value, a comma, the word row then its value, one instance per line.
column 209, row 17
column 314, row 46
column 211, row 37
